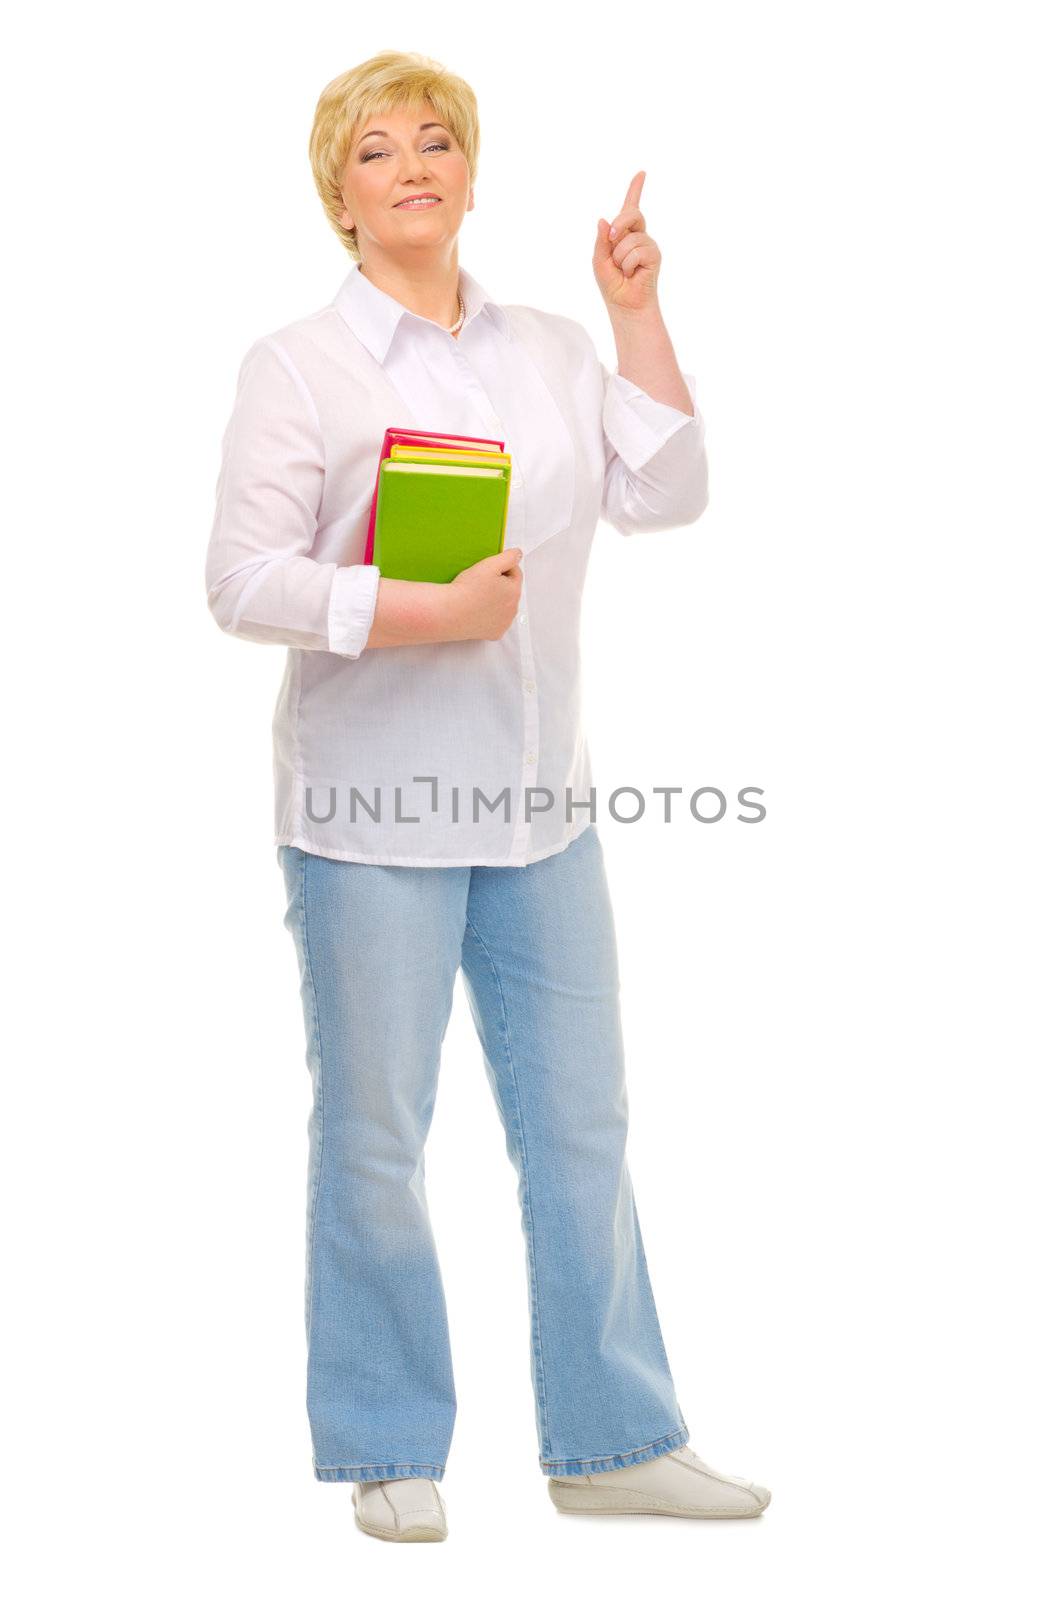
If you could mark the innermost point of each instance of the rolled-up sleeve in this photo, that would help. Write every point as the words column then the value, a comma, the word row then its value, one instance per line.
column 657, row 469
column 262, row 583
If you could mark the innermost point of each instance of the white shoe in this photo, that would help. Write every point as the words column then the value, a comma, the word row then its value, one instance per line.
column 677, row 1484
column 403, row 1509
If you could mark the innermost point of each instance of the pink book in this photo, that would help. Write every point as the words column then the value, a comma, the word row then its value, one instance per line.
column 446, row 441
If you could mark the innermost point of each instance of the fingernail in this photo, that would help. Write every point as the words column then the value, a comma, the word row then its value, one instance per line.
column 613, row 233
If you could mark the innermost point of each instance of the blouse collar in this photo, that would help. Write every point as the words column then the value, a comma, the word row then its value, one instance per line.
column 374, row 315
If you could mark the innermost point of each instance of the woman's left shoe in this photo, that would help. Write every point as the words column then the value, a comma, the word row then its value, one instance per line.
column 678, row 1484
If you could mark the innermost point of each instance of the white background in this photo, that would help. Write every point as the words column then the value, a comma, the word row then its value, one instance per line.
column 838, row 1023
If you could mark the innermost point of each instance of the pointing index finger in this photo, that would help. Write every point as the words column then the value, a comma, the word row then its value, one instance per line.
column 635, row 189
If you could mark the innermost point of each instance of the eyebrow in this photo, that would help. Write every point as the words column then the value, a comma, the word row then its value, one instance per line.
column 383, row 135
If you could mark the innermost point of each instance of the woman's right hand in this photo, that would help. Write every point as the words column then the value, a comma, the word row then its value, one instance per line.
column 483, row 599
column 479, row 603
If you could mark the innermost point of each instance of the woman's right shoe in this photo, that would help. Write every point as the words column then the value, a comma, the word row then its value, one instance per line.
column 406, row 1510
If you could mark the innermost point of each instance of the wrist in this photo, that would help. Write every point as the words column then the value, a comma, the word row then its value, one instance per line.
column 443, row 607
column 650, row 319
column 432, row 612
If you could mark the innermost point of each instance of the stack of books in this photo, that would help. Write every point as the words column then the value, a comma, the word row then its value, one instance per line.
column 439, row 504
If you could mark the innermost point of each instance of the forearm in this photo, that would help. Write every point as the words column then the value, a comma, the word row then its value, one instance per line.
column 412, row 613
column 646, row 357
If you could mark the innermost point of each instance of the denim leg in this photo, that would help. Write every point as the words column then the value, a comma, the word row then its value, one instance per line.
column 540, row 968
column 379, row 949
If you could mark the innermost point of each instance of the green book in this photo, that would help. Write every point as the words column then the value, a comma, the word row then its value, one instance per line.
column 435, row 517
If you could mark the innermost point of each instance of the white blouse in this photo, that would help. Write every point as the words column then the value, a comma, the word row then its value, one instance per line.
column 470, row 752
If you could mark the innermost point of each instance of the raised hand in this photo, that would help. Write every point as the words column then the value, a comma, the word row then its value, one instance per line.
column 627, row 265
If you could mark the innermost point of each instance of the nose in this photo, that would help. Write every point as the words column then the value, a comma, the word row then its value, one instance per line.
column 414, row 170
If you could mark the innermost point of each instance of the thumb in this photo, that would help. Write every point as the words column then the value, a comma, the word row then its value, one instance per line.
column 603, row 248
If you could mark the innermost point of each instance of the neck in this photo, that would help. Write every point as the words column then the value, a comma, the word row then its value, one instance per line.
column 429, row 289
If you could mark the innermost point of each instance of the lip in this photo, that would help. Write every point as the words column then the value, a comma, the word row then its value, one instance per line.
column 426, row 194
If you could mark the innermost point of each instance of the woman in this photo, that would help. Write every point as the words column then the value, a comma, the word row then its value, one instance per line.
column 434, row 805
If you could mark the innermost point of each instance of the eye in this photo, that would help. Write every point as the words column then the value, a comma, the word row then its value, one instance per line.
column 437, row 145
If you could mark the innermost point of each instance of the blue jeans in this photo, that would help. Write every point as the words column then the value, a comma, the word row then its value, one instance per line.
column 379, row 948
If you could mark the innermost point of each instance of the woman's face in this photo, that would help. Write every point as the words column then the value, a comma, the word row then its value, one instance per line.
column 394, row 156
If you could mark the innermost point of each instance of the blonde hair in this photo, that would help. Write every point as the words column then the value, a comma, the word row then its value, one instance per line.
column 392, row 80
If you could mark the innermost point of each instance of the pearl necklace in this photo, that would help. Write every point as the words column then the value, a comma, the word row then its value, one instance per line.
column 461, row 315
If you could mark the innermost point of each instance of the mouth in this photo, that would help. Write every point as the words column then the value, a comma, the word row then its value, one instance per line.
column 418, row 202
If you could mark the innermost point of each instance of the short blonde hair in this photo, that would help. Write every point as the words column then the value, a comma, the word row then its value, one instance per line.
column 390, row 81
